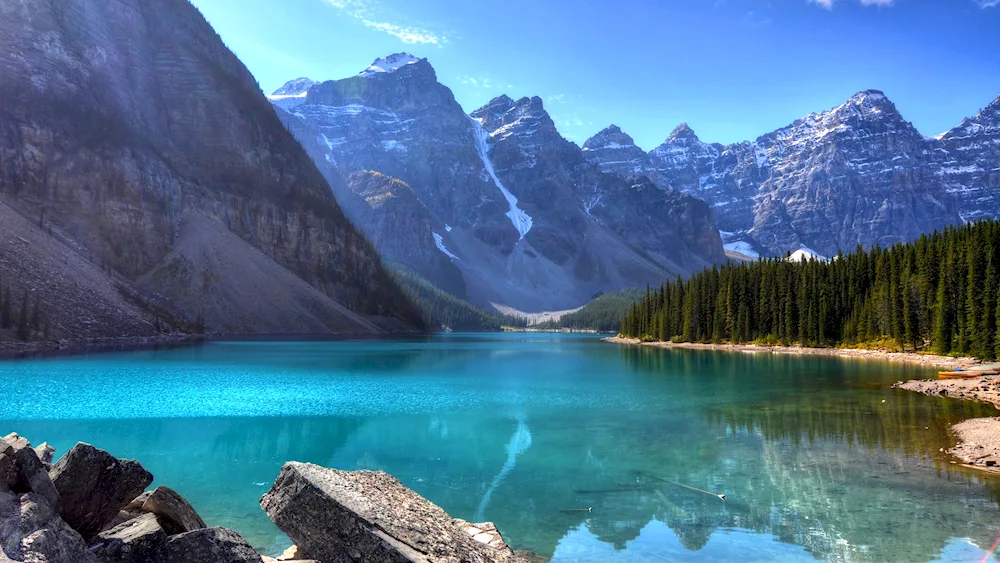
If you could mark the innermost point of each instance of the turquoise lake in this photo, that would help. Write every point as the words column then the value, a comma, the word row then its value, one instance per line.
column 817, row 457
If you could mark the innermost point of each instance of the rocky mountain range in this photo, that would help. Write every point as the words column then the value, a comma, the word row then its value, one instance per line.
column 856, row 174
column 523, row 219
column 146, row 184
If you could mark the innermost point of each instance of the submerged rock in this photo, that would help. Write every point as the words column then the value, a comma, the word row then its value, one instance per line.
column 210, row 545
column 94, row 486
column 139, row 539
column 336, row 515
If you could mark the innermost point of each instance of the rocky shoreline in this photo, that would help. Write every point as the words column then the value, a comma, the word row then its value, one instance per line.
column 928, row 360
column 978, row 439
column 90, row 507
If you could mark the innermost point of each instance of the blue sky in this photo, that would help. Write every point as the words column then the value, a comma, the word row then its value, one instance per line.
column 732, row 69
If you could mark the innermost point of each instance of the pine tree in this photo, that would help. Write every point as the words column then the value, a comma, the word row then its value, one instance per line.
column 6, row 310
column 23, row 330
column 942, row 318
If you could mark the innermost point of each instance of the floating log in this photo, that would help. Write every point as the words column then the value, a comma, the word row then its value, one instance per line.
column 720, row 496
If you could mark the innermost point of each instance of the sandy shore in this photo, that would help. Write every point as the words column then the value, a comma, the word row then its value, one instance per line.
column 979, row 438
column 929, row 360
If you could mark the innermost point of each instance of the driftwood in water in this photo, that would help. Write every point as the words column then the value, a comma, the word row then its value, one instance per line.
column 720, row 496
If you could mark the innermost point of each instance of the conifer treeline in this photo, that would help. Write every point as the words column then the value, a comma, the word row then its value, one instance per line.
column 27, row 323
column 941, row 290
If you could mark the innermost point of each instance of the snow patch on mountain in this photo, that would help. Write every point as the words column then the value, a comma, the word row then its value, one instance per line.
column 439, row 243
column 743, row 247
column 806, row 253
column 521, row 220
column 391, row 63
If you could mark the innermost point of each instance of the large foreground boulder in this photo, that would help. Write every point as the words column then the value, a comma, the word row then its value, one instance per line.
column 94, row 486
column 353, row 516
column 209, row 545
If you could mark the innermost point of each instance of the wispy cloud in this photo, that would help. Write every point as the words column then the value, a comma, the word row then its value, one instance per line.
column 828, row 4
column 482, row 82
column 556, row 99
column 365, row 12
column 987, row 3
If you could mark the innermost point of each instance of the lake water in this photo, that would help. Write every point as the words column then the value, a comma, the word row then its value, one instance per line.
column 818, row 459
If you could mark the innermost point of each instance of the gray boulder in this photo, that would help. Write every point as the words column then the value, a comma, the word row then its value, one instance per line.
column 10, row 525
column 45, row 453
column 31, row 473
column 347, row 516
column 94, row 486
column 8, row 466
column 141, row 539
column 175, row 514
column 45, row 537
column 209, row 545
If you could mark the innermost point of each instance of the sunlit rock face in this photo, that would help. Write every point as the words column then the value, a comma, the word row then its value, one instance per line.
column 856, row 174
column 132, row 136
column 969, row 164
column 516, row 208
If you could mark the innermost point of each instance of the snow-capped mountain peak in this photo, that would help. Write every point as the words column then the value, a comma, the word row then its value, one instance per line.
column 612, row 137
column 391, row 63
column 682, row 131
column 292, row 94
column 297, row 87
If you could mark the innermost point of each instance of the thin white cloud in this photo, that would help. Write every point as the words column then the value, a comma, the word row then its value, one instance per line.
column 987, row 3
column 363, row 11
column 828, row 4
column 556, row 99
column 482, row 82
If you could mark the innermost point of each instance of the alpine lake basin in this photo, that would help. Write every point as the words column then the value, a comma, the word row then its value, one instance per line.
column 577, row 449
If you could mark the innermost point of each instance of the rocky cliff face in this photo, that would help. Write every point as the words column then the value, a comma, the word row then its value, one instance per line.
column 968, row 164
column 856, row 174
column 509, row 202
column 132, row 135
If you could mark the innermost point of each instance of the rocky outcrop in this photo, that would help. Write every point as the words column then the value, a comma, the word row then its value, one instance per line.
column 369, row 516
column 84, row 523
column 94, row 486
column 126, row 127
column 331, row 515
column 504, row 198
column 402, row 228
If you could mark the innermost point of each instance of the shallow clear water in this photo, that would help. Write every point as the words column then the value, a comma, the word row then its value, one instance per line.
column 816, row 456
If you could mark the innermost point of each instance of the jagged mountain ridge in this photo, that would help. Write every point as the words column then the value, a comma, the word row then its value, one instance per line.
column 856, row 174
column 134, row 138
column 520, row 213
